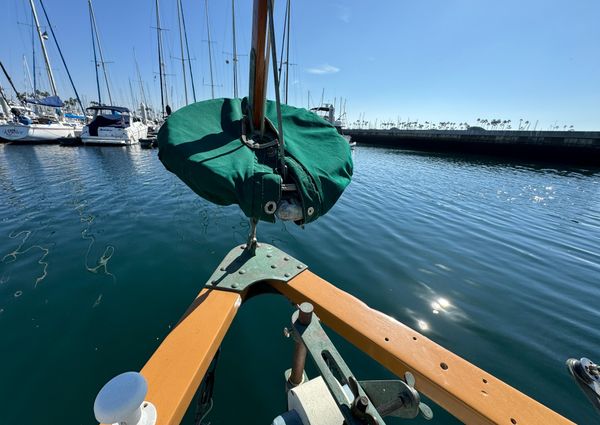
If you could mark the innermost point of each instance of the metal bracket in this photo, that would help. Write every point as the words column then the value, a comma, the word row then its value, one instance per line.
column 371, row 400
column 241, row 268
column 397, row 398
column 335, row 373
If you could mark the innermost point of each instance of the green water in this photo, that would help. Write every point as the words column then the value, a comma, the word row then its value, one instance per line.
column 102, row 250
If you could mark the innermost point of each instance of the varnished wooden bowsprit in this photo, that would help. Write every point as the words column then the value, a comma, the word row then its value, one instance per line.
column 176, row 369
column 467, row 392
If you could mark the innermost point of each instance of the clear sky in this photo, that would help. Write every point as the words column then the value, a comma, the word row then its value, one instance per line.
column 427, row 60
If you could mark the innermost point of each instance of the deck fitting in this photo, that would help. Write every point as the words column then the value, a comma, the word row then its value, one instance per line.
column 240, row 269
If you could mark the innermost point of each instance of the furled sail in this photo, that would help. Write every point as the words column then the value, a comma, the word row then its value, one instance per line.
column 203, row 145
column 52, row 101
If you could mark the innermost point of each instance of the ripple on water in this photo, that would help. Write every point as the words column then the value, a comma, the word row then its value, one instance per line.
column 497, row 261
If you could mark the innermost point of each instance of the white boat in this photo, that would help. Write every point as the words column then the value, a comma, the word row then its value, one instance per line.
column 48, row 124
column 113, row 125
column 25, row 126
column 49, row 132
column 327, row 112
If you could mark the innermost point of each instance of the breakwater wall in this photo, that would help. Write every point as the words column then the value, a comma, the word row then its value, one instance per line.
column 580, row 146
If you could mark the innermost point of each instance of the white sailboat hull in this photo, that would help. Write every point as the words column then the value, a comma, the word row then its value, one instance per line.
column 36, row 132
column 116, row 136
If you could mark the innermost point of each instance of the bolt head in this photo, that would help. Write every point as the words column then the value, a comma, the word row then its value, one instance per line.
column 305, row 313
column 362, row 403
column 242, row 271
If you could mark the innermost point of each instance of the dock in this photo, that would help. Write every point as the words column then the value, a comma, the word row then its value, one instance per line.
column 564, row 146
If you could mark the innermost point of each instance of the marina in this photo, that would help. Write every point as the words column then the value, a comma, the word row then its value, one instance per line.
column 275, row 260
column 104, row 240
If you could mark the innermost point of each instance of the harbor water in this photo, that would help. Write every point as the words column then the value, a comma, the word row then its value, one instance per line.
column 102, row 250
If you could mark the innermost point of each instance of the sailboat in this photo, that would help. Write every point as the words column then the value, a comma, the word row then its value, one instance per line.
column 110, row 125
column 49, row 125
column 327, row 112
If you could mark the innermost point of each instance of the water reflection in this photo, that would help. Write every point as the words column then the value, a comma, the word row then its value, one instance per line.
column 12, row 256
column 486, row 161
column 459, row 249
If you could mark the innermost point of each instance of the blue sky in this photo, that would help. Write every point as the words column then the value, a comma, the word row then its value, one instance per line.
column 427, row 60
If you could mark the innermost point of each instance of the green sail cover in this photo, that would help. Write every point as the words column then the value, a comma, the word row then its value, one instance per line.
column 202, row 145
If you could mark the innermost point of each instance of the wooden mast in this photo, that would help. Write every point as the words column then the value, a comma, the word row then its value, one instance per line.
column 258, row 64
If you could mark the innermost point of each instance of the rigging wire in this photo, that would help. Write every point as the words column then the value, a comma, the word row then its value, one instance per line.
column 281, row 145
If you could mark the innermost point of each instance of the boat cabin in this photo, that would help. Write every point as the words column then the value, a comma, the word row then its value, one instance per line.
column 325, row 111
column 108, row 116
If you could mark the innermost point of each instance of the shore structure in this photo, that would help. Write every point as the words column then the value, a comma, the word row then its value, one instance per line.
column 580, row 146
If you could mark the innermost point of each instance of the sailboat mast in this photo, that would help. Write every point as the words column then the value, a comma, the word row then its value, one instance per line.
column 10, row 81
column 33, row 55
column 141, row 83
column 187, row 49
column 133, row 98
column 212, row 84
column 287, row 55
column 62, row 58
column 179, row 16
column 94, row 49
column 235, row 58
column 42, row 42
column 95, row 30
column 160, row 59
column 27, row 73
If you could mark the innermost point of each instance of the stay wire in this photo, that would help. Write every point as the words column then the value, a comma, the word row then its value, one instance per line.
column 281, row 152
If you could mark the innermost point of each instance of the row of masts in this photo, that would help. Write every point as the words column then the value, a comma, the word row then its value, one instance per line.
column 189, row 86
column 97, row 46
column 185, row 56
column 43, row 36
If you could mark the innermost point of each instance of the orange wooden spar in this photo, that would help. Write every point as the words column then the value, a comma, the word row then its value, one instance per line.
column 464, row 390
column 175, row 370
column 258, row 63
